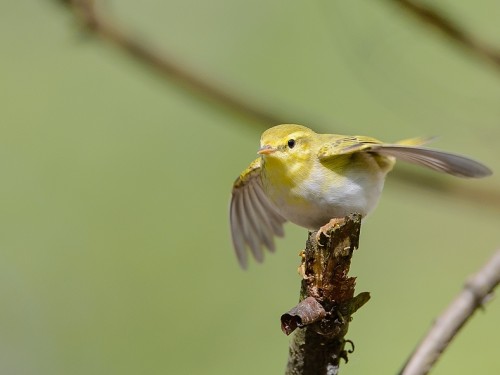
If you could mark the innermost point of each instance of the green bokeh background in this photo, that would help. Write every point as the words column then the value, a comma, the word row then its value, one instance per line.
column 115, row 255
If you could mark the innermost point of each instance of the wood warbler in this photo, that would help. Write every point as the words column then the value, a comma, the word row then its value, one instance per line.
column 309, row 179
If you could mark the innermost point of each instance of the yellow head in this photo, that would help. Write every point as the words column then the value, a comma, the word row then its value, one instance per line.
column 286, row 143
column 287, row 156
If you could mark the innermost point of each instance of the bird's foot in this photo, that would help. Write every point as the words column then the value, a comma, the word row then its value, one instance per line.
column 323, row 231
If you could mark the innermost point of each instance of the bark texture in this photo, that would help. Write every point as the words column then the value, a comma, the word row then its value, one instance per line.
column 327, row 300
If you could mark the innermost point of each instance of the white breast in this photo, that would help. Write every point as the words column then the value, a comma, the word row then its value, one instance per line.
column 317, row 199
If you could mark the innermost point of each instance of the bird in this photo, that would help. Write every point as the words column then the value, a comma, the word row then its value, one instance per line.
column 309, row 178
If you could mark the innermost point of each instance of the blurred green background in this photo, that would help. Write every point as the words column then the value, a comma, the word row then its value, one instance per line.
column 115, row 255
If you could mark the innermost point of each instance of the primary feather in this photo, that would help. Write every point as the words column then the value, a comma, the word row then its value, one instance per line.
column 253, row 218
column 447, row 162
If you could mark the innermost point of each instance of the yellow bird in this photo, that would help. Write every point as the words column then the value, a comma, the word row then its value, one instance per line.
column 309, row 179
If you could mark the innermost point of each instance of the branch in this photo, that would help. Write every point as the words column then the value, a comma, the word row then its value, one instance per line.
column 431, row 16
column 327, row 301
column 94, row 22
column 476, row 292
column 486, row 197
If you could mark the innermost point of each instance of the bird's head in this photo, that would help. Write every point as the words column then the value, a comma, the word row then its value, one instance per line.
column 287, row 143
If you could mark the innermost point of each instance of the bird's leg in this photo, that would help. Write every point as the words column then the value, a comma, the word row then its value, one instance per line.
column 325, row 228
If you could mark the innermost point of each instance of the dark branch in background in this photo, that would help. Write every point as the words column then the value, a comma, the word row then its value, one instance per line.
column 476, row 292
column 166, row 66
column 193, row 83
column 488, row 198
column 327, row 301
column 431, row 16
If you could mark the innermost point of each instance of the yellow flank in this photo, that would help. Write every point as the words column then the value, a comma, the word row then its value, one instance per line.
column 309, row 178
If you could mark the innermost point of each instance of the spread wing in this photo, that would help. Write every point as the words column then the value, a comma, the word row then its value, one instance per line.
column 410, row 150
column 253, row 218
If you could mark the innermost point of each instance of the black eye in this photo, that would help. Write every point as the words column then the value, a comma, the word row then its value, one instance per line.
column 291, row 143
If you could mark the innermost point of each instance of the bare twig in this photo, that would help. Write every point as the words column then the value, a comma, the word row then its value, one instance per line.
column 476, row 292
column 165, row 65
column 429, row 15
column 327, row 302
column 488, row 198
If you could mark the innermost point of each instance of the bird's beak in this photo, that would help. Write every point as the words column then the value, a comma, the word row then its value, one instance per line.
column 266, row 150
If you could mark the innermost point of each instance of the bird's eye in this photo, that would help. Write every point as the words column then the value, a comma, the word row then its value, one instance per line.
column 291, row 143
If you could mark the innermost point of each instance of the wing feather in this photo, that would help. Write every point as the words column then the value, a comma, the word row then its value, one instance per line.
column 237, row 233
column 410, row 150
column 253, row 218
column 252, row 235
column 262, row 220
column 275, row 219
column 442, row 161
